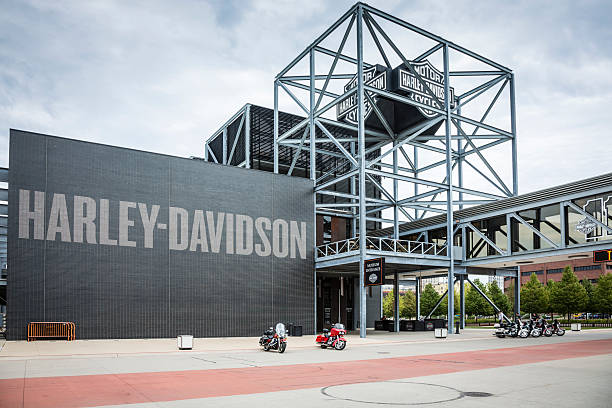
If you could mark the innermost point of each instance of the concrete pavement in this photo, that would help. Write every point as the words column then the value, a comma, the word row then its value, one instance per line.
column 389, row 368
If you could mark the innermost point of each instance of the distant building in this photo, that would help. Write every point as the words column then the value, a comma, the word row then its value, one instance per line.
column 584, row 268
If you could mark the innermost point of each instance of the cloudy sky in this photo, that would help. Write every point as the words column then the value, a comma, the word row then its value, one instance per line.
column 162, row 75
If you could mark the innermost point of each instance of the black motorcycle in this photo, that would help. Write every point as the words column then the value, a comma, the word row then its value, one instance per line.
column 545, row 327
column 556, row 328
column 525, row 329
column 274, row 338
column 506, row 329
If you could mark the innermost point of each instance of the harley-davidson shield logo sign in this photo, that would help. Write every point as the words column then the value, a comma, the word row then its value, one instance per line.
column 407, row 82
column 376, row 77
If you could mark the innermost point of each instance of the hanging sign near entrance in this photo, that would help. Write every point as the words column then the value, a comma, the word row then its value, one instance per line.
column 602, row 256
column 374, row 272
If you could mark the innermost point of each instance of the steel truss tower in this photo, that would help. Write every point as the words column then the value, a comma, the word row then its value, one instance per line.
column 416, row 167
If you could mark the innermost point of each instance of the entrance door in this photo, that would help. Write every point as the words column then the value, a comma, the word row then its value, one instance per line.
column 335, row 302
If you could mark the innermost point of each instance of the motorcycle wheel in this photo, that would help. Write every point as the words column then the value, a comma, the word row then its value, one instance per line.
column 501, row 336
column 323, row 346
column 340, row 345
column 560, row 332
column 514, row 334
column 282, row 347
column 548, row 333
column 523, row 334
column 266, row 347
column 536, row 333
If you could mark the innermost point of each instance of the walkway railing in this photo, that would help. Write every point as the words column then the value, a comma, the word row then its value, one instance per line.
column 398, row 246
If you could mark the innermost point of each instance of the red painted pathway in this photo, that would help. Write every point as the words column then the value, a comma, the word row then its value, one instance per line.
column 110, row 389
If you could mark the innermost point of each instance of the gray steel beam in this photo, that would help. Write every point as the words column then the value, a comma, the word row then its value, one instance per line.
column 485, row 238
column 563, row 225
column 317, row 41
column 276, row 135
column 333, row 66
column 313, row 162
column 247, row 138
column 449, row 195
column 307, row 88
column 417, row 296
column 224, row 146
column 489, row 301
column 437, row 304
column 462, row 301
column 434, row 37
column 396, row 315
column 236, row 138
column 517, row 291
column 587, row 215
column 513, row 131
column 3, row 194
column 534, row 230
column 362, row 170
column 227, row 123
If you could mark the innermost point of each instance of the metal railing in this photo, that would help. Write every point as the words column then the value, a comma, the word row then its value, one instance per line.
column 399, row 246
column 51, row 330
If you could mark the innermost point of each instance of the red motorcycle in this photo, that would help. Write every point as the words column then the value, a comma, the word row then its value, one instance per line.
column 334, row 338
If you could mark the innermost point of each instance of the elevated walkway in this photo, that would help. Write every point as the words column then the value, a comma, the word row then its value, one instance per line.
column 559, row 223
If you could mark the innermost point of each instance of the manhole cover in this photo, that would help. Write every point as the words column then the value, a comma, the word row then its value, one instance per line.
column 393, row 392
column 477, row 394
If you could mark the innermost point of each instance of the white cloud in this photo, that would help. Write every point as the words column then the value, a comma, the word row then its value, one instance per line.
column 162, row 76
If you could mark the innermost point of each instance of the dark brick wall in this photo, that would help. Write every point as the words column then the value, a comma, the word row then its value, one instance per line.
column 137, row 292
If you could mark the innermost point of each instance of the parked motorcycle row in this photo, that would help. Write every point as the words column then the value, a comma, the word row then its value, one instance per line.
column 275, row 338
column 533, row 328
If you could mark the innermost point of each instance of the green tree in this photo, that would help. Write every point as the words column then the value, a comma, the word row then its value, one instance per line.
column 475, row 304
column 549, row 288
column 590, row 305
column 429, row 298
column 388, row 300
column 534, row 298
column 408, row 305
column 568, row 295
column 603, row 294
column 497, row 296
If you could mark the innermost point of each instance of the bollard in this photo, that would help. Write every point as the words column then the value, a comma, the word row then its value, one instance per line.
column 457, row 324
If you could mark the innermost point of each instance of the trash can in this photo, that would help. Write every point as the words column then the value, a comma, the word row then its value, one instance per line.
column 576, row 326
column 440, row 333
column 289, row 329
column 380, row 325
column 184, row 342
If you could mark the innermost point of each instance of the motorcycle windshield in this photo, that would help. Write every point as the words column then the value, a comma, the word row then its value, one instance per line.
column 339, row 326
column 280, row 329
